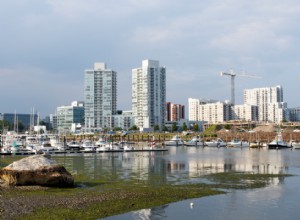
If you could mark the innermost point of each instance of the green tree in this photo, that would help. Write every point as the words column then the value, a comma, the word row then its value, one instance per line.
column 156, row 127
column 133, row 128
column 117, row 129
column 174, row 127
column 195, row 127
column 227, row 127
column 4, row 125
column 184, row 127
column 164, row 128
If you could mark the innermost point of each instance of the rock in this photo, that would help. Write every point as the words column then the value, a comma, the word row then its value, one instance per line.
column 36, row 170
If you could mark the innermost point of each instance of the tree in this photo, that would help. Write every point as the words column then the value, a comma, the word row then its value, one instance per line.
column 4, row 125
column 117, row 129
column 174, row 127
column 164, row 128
column 133, row 128
column 184, row 127
column 227, row 127
column 156, row 127
column 195, row 127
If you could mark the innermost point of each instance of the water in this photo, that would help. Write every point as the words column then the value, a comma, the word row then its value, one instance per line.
column 279, row 200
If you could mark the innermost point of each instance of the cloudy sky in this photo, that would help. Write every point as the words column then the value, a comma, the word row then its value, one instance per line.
column 45, row 46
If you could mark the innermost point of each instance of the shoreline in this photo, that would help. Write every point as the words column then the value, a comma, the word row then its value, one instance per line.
column 108, row 196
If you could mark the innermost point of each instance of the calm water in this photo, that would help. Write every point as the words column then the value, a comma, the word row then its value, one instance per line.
column 279, row 200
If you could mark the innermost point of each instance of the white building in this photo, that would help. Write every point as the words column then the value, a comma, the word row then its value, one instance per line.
column 245, row 112
column 194, row 109
column 67, row 116
column 269, row 101
column 123, row 120
column 211, row 111
column 149, row 94
column 194, row 105
column 100, row 96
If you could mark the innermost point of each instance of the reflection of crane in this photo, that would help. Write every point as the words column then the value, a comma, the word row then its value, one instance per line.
column 232, row 75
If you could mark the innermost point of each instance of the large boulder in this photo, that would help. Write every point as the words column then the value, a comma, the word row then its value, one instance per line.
column 36, row 170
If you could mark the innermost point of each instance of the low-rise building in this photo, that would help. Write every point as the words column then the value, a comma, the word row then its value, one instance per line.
column 67, row 116
column 123, row 119
column 245, row 112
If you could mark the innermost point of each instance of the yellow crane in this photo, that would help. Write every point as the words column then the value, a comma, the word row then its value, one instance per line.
column 232, row 75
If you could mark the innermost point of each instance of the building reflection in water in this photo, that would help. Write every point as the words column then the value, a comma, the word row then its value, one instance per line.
column 153, row 213
column 178, row 163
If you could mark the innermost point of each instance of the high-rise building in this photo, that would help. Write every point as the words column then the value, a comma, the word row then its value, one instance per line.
column 149, row 94
column 175, row 112
column 100, row 97
column 269, row 101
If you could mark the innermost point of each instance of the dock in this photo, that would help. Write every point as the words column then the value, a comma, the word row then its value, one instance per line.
column 84, row 152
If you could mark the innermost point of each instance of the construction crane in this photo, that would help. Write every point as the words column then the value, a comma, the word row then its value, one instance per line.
column 232, row 75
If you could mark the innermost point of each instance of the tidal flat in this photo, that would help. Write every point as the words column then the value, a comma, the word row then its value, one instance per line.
column 111, row 194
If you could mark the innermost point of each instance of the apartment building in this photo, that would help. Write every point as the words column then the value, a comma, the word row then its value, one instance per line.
column 149, row 94
column 269, row 101
column 100, row 97
column 245, row 112
column 211, row 111
column 175, row 112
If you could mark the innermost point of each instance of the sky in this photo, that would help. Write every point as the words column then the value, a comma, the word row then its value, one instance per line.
column 45, row 46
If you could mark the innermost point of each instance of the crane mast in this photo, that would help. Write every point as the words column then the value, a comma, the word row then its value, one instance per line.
column 232, row 77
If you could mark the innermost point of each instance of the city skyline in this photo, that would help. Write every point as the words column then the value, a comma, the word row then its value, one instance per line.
column 48, row 44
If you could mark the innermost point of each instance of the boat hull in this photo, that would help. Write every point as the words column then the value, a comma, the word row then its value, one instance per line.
column 278, row 146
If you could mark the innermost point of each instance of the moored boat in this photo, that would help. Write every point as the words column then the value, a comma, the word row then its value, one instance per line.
column 296, row 144
column 175, row 141
column 74, row 145
column 87, row 145
column 215, row 143
column 194, row 142
column 255, row 144
column 237, row 143
column 278, row 143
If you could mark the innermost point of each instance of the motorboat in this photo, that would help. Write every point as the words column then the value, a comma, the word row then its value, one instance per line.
column 103, row 148
column 237, row 143
column 194, row 142
column 127, row 147
column 215, row 143
column 278, row 143
column 56, row 143
column 87, row 145
column 108, row 147
column 256, row 144
column 100, row 142
column 295, row 144
column 175, row 141
column 74, row 145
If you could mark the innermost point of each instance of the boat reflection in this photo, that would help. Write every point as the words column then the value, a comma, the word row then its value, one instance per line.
column 187, row 164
